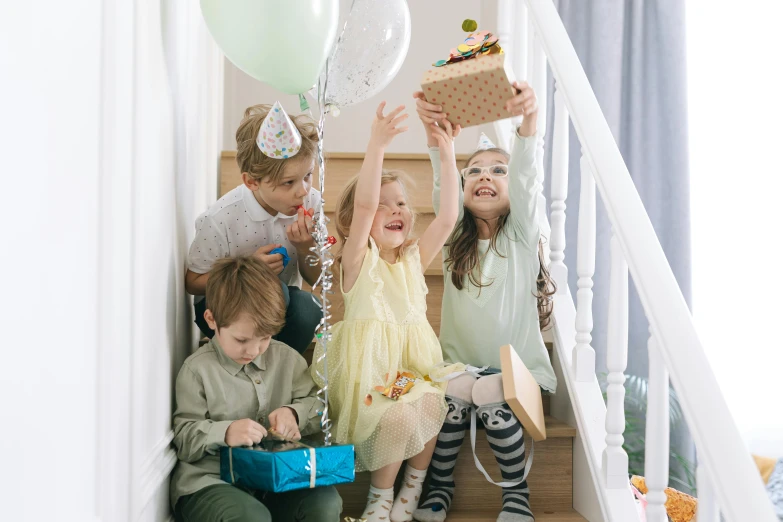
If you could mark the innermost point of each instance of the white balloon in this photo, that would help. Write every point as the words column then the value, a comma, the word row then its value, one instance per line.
column 370, row 51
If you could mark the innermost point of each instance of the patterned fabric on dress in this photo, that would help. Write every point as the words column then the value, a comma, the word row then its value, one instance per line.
column 384, row 331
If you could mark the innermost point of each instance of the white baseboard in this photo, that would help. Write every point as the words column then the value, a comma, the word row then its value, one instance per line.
column 155, row 470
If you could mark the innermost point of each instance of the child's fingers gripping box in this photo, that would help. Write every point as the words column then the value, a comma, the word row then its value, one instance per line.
column 471, row 91
column 279, row 466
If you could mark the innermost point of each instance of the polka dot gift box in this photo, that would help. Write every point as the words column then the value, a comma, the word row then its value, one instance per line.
column 278, row 137
column 472, row 89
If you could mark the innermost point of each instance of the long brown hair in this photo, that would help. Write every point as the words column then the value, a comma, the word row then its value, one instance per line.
column 463, row 259
column 345, row 205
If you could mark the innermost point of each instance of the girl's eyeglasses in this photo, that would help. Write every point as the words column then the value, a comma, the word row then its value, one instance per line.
column 497, row 171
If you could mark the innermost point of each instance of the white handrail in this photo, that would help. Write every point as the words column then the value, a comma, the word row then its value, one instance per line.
column 737, row 485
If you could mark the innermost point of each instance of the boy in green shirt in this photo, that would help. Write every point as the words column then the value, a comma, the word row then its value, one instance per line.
column 231, row 391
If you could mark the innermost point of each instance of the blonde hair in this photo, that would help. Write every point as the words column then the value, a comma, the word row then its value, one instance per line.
column 345, row 205
column 246, row 285
column 258, row 165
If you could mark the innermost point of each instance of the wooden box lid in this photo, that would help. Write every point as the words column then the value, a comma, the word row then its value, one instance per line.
column 522, row 393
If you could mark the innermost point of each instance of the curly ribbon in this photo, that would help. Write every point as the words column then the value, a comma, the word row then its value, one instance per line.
column 321, row 255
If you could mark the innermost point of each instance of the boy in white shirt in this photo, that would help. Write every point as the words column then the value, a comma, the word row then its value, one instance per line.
column 272, row 209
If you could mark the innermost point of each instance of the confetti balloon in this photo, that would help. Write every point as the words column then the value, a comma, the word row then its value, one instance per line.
column 282, row 43
column 370, row 51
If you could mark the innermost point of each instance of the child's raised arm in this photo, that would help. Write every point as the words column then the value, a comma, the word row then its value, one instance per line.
column 368, row 191
column 430, row 113
column 440, row 229
column 523, row 185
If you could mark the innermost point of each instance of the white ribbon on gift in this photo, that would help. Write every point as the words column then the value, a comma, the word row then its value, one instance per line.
column 312, row 468
column 231, row 463
column 312, row 461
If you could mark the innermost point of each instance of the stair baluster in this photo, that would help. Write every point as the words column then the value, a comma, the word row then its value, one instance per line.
column 558, row 194
column 539, row 84
column 615, row 459
column 707, row 510
column 656, row 456
column 584, row 355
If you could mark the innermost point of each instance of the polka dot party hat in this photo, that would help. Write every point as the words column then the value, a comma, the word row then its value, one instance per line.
column 485, row 143
column 278, row 137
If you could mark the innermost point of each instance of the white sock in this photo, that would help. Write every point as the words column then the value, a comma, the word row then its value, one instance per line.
column 408, row 498
column 379, row 503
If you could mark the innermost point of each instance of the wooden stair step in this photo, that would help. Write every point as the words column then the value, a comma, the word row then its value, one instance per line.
column 420, row 225
column 546, row 399
column 434, row 299
column 341, row 167
column 550, row 478
column 541, row 516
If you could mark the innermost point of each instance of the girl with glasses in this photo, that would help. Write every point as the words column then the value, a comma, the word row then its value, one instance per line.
column 497, row 292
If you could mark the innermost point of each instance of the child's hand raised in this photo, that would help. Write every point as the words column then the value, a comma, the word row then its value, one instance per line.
column 245, row 432
column 430, row 113
column 524, row 104
column 384, row 128
column 444, row 134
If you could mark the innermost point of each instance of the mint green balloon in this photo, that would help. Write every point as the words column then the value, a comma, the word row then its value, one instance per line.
column 284, row 43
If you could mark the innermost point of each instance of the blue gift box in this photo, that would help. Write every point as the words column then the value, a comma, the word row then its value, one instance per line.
column 279, row 466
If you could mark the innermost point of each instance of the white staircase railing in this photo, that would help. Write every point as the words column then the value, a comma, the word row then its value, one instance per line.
column 728, row 481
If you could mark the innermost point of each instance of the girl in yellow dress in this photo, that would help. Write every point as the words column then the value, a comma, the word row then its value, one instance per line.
column 385, row 330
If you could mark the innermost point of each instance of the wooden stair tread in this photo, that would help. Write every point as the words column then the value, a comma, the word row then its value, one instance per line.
column 420, row 225
column 477, row 500
column 556, row 428
column 491, row 515
column 434, row 298
column 561, row 429
column 340, row 168
column 550, row 479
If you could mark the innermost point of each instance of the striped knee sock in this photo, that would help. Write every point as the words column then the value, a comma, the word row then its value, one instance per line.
column 506, row 438
column 438, row 500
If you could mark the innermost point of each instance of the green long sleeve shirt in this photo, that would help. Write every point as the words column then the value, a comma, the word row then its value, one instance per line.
column 476, row 322
column 212, row 391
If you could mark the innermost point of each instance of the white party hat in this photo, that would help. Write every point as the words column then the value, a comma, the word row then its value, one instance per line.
column 485, row 143
column 278, row 137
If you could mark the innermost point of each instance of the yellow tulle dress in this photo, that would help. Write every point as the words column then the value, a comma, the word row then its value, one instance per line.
column 384, row 331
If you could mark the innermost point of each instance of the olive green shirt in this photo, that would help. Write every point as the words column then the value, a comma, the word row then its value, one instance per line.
column 212, row 391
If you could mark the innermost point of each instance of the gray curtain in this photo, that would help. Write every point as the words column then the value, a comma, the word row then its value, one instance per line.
column 633, row 52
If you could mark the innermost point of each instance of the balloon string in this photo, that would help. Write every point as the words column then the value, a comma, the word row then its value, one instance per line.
column 321, row 254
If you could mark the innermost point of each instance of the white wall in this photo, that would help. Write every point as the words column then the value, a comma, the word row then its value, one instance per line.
column 110, row 143
column 735, row 110
column 436, row 29
column 49, row 145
